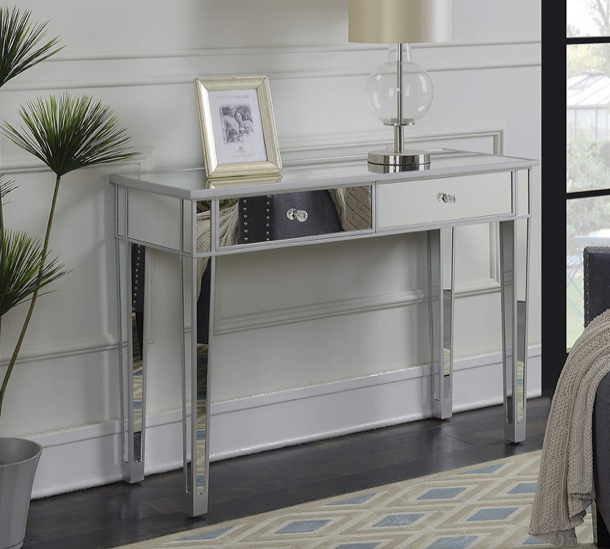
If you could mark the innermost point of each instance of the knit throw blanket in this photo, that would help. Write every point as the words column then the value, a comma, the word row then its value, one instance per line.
column 353, row 205
column 565, row 483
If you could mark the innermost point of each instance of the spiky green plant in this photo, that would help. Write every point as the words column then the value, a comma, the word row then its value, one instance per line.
column 66, row 134
column 21, row 262
column 70, row 133
column 6, row 187
column 22, row 43
column 25, row 270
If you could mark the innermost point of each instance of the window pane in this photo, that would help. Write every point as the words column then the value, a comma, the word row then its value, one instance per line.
column 588, row 18
column 588, row 224
column 588, row 116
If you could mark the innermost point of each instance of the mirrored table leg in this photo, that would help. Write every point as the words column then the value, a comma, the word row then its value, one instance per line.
column 132, row 356
column 196, row 403
column 441, row 284
column 514, row 272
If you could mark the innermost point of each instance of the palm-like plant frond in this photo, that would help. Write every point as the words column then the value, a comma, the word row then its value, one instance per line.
column 70, row 133
column 24, row 269
column 22, row 43
column 6, row 187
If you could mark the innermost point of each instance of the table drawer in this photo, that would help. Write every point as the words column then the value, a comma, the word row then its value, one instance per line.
column 447, row 199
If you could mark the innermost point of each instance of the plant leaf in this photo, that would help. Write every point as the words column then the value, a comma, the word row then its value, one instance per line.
column 21, row 259
column 6, row 187
column 70, row 133
column 22, row 43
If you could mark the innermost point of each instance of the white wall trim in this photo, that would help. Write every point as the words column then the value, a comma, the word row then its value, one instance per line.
column 297, row 147
column 272, row 50
column 109, row 342
column 187, row 79
column 90, row 455
column 326, row 309
column 37, row 352
column 20, row 163
column 495, row 129
column 179, row 67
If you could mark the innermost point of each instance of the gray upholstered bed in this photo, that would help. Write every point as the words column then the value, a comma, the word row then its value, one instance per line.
column 597, row 300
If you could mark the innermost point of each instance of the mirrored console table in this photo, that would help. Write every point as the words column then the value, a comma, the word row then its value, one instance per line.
column 316, row 201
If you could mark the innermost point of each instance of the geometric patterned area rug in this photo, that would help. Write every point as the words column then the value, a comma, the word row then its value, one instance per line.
column 485, row 506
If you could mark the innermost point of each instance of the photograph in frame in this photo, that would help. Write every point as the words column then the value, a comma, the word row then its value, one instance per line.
column 237, row 127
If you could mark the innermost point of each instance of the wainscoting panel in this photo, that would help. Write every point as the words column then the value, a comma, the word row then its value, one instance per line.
column 90, row 455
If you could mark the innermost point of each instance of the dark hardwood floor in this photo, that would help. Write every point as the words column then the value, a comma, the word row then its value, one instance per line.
column 120, row 513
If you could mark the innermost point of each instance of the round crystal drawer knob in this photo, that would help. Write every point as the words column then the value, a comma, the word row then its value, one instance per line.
column 298, row 215
column 446, row 198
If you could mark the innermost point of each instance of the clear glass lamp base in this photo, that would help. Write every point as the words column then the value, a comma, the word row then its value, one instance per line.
column 400, row 93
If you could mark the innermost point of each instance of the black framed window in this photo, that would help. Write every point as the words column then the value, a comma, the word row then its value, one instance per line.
column 587, row 186
column 575, row 164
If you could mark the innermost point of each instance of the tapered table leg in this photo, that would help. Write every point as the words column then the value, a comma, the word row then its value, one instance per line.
column 132, row 356
column 601, row 535
column 441, row 284
column 514, row 259
column 196, row 395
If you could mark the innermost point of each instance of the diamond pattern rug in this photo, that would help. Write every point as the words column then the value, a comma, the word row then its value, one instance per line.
column 485, row 506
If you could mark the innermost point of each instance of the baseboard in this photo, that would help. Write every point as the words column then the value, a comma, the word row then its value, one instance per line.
column 90, row 455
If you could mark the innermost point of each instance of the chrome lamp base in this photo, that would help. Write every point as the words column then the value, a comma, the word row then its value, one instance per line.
column 389, row 161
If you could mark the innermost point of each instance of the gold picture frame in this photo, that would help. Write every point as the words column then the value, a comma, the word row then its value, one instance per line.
column 237, row 129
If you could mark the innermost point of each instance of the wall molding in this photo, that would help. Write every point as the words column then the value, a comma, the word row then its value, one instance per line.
column 20, row 163
column 296, row 146
column 38, row 352
column 89, row 455
column 66, row 57
column 355, row 305
column 187, row 79
column 178, row 67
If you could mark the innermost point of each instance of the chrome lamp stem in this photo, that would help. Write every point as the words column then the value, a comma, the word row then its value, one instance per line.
column 399, row 129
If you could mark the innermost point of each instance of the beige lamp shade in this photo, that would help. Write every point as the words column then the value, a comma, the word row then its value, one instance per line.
column 400, row 21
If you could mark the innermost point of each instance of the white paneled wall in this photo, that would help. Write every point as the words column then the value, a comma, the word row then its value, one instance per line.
column 356, row 309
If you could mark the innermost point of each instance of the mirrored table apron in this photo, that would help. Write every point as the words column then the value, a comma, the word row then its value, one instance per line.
column 181, row 213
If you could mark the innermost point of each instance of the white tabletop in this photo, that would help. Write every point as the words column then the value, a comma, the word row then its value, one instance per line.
column 319, row 173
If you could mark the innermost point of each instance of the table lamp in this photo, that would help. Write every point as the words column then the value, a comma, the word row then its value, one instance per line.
column 399, row 91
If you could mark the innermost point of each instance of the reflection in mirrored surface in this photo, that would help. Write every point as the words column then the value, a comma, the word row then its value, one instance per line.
column 125, row 326
column 154, row 219
column 383, row 168
column 138, row 296
column 195, row 362
column 227, row 225
column 522, row 273
column 514, row 253
column 277, row 217
column 132, row 356
column 318, row 169
column 508, row 259
column 121, row 211
column 241, row 182
column 187, row 226
column 187, row 350
column 441, row 275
